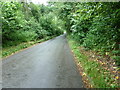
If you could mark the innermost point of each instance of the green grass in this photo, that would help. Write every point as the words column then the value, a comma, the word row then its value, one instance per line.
column 93, row 69
column 6, row 51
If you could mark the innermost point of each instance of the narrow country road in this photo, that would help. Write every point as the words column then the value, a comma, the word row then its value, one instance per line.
column 46, row 65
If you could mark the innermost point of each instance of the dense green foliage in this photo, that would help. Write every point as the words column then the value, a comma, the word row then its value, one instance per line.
column 23, row 22
column 95, row 25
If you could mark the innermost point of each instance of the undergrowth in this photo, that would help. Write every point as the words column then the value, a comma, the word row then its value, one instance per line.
column 97, row 75
column 6, row 51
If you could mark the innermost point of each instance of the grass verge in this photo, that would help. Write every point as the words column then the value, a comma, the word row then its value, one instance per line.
column 13, row 49
column 97, row 75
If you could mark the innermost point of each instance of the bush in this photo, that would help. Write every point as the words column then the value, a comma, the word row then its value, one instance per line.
column 22, row 22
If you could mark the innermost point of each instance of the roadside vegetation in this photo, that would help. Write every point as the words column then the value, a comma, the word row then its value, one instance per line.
column 95, row 26
column 23, row 23
column 13, row 49
column 95, row 72
column 93, row 30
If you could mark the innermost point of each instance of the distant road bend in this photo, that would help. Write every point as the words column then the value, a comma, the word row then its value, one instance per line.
column 45, row 65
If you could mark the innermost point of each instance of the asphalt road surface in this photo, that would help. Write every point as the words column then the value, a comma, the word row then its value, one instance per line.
column 46, row 65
